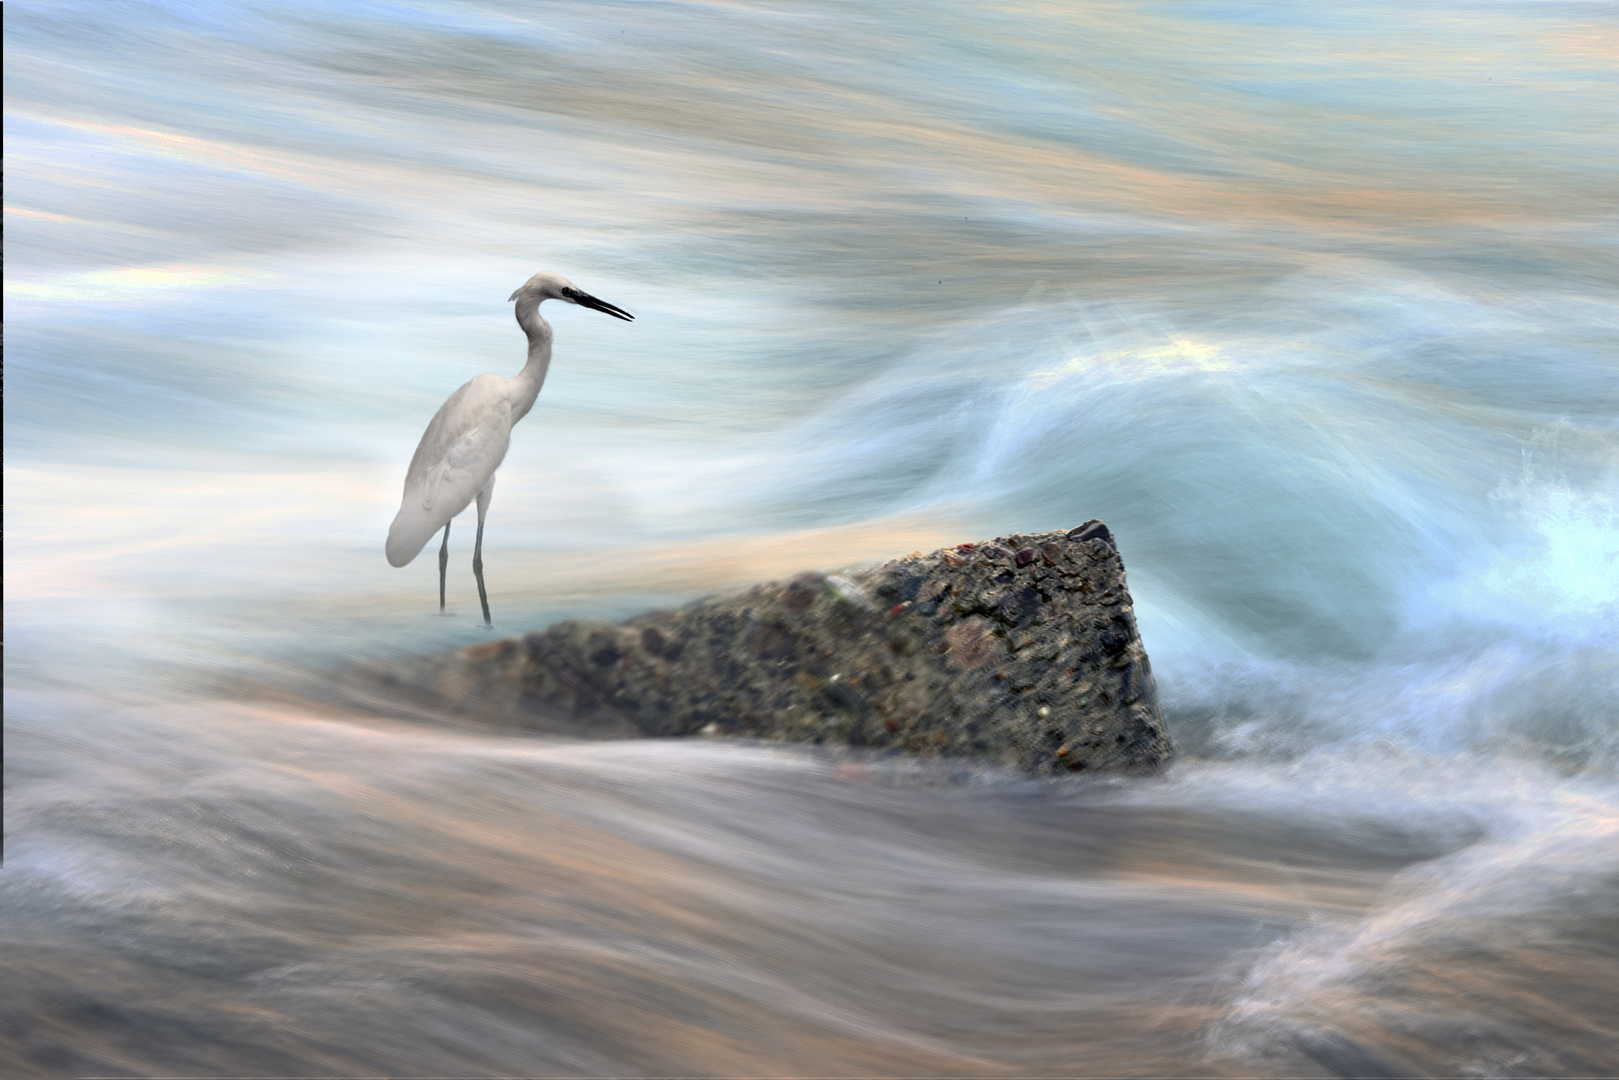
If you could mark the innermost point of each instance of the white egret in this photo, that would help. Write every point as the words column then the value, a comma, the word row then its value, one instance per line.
column 467, row 439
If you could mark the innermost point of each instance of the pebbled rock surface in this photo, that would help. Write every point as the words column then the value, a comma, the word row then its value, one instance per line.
column 1021, row 651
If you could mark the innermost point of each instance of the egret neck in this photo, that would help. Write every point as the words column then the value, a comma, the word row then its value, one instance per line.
column 526, row 386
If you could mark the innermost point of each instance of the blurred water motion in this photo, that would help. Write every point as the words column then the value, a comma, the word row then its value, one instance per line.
column 1315, row 307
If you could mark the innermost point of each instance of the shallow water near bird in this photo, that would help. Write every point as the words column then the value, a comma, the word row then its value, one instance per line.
column 1315, row 309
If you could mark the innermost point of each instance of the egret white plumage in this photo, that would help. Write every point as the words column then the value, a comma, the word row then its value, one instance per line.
column 467, row 439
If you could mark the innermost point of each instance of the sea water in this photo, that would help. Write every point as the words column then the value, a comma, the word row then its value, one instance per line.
column 1314, row 305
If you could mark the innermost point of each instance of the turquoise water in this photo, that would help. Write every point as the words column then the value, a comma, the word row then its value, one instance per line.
column 1316, row 308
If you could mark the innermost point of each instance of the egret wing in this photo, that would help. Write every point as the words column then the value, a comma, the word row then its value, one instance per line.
column 459, row 452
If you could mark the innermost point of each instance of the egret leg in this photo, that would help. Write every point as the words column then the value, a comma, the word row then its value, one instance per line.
column 477, row 552
column 443, row 564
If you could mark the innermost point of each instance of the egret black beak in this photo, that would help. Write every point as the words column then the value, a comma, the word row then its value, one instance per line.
column 584, row 299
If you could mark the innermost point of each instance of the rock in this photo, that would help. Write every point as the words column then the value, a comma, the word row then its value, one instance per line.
column 1021, row 651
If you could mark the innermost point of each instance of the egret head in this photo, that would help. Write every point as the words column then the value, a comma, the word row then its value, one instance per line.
column 549, row 286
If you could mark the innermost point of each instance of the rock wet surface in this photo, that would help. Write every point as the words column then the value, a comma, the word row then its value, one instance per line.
column 1022, row 651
